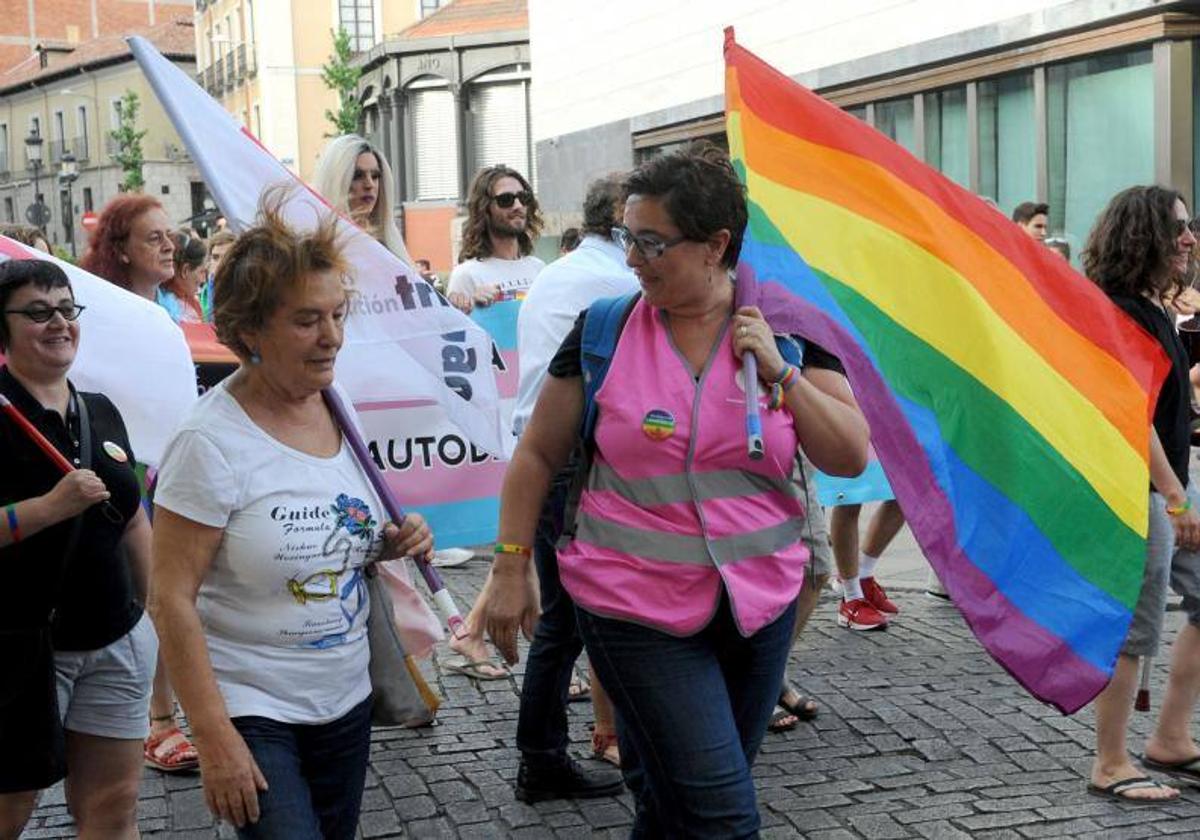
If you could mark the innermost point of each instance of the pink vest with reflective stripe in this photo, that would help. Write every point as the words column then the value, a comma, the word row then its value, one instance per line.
column 673, row 505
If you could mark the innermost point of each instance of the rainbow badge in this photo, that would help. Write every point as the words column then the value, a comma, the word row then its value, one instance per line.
column 658, row 424
column 115, row 452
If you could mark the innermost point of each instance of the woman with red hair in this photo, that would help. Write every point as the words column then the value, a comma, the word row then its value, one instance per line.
column 132, row 245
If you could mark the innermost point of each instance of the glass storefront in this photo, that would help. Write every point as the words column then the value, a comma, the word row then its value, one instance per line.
column 1007, row 140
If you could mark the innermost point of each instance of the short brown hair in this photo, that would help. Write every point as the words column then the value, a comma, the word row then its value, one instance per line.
column 221, row 237
column 266, row 262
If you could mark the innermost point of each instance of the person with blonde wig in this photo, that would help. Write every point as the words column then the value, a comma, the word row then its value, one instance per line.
column 354, row 177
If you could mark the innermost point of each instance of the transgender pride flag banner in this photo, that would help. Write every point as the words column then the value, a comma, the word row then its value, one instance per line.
column 454, row 483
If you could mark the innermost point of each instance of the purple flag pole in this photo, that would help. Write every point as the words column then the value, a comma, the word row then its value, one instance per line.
column 745, row 293
column 441, row 596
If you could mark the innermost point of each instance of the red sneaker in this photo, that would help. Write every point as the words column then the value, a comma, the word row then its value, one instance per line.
column 874, row 595
column 859, row 615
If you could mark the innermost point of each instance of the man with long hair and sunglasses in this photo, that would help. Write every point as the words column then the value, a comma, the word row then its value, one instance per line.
column 496, row 259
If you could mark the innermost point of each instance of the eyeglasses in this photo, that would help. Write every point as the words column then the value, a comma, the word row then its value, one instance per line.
column 506, row 200
column 649, row 246
column 43, row 314
column 1190, row 224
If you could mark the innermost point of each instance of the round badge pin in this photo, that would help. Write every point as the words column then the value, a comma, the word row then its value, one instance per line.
column 658, row 424
column 115, row 452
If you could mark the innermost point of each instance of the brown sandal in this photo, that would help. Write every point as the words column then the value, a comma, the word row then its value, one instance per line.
column 170, row 751
column 604, row 747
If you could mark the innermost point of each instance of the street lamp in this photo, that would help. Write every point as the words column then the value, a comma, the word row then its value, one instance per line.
column 67, row 173
column 36, row 213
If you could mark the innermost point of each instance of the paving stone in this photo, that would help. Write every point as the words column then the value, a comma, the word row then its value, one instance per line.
column 379, row 823
column 878, row 827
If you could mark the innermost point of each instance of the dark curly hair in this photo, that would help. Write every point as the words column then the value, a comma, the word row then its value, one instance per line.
column 701, row 192
column 476, row 244
column 1130, row 248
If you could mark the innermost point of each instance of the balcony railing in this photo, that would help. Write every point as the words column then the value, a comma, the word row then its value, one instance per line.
column 79, row 147
column 57, row 147
column 111, row 147
column 241, row 62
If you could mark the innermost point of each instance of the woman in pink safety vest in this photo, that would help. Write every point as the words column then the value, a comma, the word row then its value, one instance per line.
column 687, row 557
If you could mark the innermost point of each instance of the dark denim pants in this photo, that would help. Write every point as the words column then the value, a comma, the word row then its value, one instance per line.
column 692, row 713
column 316, row 774
column 542, row 724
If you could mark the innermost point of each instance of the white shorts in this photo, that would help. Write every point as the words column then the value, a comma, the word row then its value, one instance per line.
column 106, row 692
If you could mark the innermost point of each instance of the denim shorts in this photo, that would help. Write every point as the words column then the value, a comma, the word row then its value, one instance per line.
column 106, row 692
column 1164, row 565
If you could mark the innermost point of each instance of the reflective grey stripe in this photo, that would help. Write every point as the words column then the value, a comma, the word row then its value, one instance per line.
column 679, row 548
column 666, row 489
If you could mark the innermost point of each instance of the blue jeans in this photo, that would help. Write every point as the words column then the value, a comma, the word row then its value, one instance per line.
column 542, row 722
column 691, row 714
column 316, row 774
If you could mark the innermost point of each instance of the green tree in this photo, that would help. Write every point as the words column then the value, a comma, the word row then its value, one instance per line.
column 129, row 142
column 340, row 77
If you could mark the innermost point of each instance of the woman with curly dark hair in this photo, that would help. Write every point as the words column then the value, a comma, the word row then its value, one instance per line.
column 1140, row 253
column 131, row 245
column 685, row 557
column 496, row 256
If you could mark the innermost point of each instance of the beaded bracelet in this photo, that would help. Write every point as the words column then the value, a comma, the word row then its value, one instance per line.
column 1181, row 510
column 13, row 527
column 510, row 548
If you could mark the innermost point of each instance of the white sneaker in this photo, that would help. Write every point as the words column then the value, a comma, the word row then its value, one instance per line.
column 450, row 557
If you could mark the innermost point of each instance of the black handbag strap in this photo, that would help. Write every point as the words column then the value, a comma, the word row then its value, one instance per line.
column 85, row 463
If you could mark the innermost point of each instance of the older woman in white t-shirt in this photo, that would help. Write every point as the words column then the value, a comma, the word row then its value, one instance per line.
column 264, row 523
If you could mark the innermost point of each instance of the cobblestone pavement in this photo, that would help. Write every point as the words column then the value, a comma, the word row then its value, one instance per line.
column 920, row 735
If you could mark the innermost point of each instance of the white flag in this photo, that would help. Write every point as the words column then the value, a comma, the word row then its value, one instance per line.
column 129, row 350
column 404, row 342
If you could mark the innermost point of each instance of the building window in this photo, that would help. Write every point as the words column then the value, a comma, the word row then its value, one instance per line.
column 4, row 147
column 1007, row 140
column 35, row 126
column 435, row 147
column 428, row 7
column 81, row 132
column 500, row 126
column 895, row 119
column 946, row 133
column 858, row 112
column 10, row 214
column 88, row 203
column 357, row 17
column 1100, row 134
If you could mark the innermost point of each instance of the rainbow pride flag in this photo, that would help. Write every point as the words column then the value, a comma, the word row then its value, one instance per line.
column 1009, row 401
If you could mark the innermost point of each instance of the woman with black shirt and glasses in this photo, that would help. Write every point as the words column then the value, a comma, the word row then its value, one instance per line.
column 76, row 650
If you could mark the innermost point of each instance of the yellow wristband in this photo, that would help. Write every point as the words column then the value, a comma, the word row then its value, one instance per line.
column 510, row 548
column 1181, row 510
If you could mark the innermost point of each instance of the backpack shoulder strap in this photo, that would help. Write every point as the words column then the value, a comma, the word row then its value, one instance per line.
column 602, row 327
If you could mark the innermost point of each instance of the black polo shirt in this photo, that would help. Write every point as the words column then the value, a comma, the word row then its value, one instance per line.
column 96, row 604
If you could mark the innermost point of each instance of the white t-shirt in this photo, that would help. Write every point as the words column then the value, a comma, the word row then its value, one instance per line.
column 284, row 605
column 509, row 276
column 566, row 287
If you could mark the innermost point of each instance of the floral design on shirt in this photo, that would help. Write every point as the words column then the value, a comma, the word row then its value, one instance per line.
column 354, row 515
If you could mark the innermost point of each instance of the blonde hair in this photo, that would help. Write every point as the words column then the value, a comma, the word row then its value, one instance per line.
column 265, row 262
column 335, row 172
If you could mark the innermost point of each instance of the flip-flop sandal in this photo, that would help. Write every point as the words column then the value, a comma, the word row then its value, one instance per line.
column 1187, row 770
column 805, row 709
column 473, row 668
column 604, row 747
column 170, row 751
column 579, row 691
column 777, row 722
column 1120, row 791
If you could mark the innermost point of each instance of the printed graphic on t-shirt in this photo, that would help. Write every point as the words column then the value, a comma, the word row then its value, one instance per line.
column 338, row 540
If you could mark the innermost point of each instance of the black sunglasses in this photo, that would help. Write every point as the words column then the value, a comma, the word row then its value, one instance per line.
column 43, row 314
column 1190, row 224
column 506, row 200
